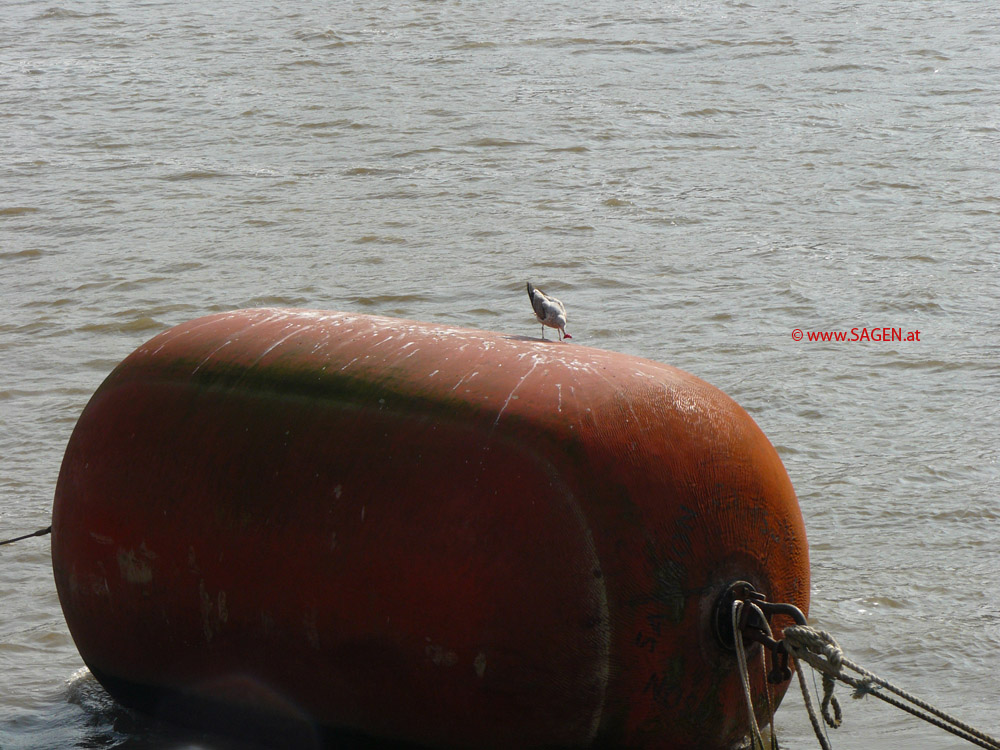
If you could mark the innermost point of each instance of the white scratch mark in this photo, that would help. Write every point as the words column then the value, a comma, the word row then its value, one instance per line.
column 464, row 378
column 276, row 344
column 172, row 333
column 510, row 397
column 211, row 354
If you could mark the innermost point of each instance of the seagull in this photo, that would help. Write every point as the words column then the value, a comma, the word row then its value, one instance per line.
column 549, row 311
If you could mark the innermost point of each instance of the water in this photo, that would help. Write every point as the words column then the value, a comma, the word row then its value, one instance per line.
column 695, row 180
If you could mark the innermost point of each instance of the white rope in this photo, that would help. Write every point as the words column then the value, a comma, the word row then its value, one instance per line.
column 756, row 737
column 756, row 740
column 818, row 649
column 817, row 728
column 767, row 682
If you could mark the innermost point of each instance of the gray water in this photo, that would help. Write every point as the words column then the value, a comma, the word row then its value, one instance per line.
column 694, row 179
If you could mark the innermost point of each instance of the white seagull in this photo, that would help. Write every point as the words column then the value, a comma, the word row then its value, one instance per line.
column 549, row 311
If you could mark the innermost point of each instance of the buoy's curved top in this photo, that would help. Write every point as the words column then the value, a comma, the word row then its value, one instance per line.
column 524, row 373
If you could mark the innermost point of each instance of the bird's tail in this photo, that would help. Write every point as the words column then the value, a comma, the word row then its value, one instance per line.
column 531, row 291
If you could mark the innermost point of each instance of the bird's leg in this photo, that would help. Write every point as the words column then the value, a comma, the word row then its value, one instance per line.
column 543, row 332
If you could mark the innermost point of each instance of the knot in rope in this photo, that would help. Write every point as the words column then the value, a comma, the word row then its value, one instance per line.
column 818, row 649
column 804, row 639
column 865, row 687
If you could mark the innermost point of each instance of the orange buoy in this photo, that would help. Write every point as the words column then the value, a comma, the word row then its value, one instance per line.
column 422, row 533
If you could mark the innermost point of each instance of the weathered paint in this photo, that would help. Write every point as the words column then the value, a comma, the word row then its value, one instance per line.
column 420, row 532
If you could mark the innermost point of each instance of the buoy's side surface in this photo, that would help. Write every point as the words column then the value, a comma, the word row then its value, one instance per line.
column 422, row 532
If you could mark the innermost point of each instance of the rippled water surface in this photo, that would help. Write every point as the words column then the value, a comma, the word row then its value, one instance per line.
column 695, row 180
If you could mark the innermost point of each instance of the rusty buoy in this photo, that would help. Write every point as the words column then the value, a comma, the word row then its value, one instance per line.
column 420, row 533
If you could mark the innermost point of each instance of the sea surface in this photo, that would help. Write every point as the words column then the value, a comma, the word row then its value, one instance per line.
column 695, row 180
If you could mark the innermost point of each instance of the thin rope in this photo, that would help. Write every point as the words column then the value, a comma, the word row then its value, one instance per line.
column 756, row 740
column 767, row 682
column 40, row 532
column 824, row 742
column 818, row 649
column 826, row 726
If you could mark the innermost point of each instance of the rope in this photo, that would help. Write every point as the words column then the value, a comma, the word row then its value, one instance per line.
column 40, row 532
column 767, row 682
column 817, row 728
column 756, row 738
column 818, row 649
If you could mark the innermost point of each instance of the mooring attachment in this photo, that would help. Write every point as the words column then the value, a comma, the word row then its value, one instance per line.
column 754, row 624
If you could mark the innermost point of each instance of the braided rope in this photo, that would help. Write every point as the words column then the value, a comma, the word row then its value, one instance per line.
column 756, row 736
column 756, row 740
column 817, row 728
column 819, row 649
column 763, row 666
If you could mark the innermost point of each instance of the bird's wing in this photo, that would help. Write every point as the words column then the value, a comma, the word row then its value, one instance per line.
column 538, row 300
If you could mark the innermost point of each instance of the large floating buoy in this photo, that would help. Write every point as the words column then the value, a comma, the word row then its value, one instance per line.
column 420, row 533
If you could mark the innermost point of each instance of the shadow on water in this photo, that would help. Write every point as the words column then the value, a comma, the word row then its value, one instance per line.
column 177, row 723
